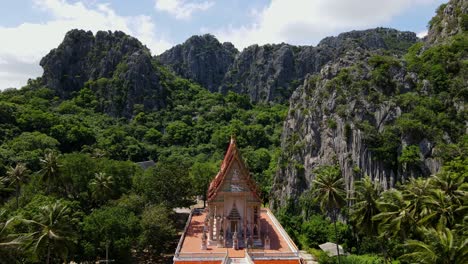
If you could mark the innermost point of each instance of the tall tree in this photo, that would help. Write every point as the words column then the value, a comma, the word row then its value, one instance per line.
column 17, row 176
column 366, row 194
column 102, row 186
column 329, row 191
column 201, row 174
column 53, row 231
column 49, row 168
column 158, row 230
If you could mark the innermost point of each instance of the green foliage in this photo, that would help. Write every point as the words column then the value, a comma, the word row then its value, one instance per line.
column 314, row 232
column 52, row 232
column 157, row 229
column 331, row 123
column 167, row 183
column 28, row 148
column 113, row 226
column 383, row 66
column 201, row 174
column 177, row 133
column 410, row 155
column 441, row 64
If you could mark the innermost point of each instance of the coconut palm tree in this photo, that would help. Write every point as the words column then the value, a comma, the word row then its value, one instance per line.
column 416, row 192
column 441, row 210
column 50, row 168
column 452, row 183
column 442, row 247
column 101, row 186
column 329, row 191
column 396, row 216
column 17, row 176
column 8, row 243
column 366, row 194
column 52, row 231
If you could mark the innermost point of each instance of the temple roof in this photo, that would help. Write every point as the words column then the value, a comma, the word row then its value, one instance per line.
column 231, row 155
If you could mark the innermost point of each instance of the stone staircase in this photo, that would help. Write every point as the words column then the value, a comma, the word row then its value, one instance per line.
column 238, row 261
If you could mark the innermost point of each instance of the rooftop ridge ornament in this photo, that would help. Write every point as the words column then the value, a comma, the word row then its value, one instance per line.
column 233, row 138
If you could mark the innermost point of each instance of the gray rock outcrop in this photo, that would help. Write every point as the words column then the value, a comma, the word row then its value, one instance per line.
column 451, row 19
column 332, row 119
column 202, row 59
column 116, row 66
column 270, row 73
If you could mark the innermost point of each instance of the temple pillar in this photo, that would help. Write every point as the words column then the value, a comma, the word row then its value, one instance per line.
column 211, row 227
column 244, row 224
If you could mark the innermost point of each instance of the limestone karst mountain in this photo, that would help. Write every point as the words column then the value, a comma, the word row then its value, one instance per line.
column 379, row 114
column 116, row 66
column 347, row 95
column 270, row 73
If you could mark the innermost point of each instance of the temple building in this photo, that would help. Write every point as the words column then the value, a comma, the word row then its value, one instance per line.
column 234, row 228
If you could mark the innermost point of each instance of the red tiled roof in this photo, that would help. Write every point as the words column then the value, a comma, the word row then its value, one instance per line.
column 231, row 154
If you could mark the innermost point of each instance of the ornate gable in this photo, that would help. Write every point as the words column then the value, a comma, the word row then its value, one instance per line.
column 233, row 175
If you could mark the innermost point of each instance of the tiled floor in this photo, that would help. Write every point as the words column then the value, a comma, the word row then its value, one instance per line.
column 192, row 242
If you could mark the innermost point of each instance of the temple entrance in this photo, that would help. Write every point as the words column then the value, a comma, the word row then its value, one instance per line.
column 234, row 226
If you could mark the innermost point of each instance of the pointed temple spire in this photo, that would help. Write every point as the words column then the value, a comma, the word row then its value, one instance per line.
column 231, row 155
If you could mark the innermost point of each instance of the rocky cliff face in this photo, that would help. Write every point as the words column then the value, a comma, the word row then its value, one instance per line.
column 202, row 59
column 272, row 72
column 334, row 118
column 374, row 114
column 116, row 66
column 451, row 19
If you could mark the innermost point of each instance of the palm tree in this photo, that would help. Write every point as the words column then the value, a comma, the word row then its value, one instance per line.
column 452, row 183
column 8, row 243
column 53, row 231
column 329, row 191
column 396, row 216
column 50, row 168
column 365, row 208
column 4, row 188
column 416, row 192
column 101, row 186
column 17, row 176
column 441, row 210
column 442, row 248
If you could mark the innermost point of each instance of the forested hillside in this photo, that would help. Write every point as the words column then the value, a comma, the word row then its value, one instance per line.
column 375, row 119
column 68, row 160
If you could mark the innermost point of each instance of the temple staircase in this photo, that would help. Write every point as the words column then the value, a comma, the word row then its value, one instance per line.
column 238, row 261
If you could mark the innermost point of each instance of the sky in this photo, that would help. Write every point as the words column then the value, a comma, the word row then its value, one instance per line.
column 29, row 29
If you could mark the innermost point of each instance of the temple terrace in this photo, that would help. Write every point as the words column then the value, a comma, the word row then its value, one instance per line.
column 234, row 228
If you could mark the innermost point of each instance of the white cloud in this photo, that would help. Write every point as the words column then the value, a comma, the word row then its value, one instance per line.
column 308, row 21
column 422, row 34
column 182, row 9
column 23, row 46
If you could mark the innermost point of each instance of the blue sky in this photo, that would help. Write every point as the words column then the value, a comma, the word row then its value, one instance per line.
column 31, row 28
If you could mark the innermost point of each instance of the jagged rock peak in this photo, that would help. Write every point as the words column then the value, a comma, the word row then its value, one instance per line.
column 116, row 66
column 450, row 19
column 82, row 56
column 377, row 38
column 271, row 72
column 202, row 59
